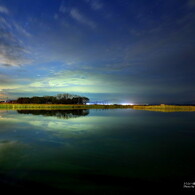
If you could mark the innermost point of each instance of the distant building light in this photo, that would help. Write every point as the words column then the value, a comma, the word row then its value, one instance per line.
column 127, row 104
column 99, row 103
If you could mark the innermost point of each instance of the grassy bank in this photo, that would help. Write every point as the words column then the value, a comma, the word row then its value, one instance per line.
column 59, row 106
column 165, row 108
column 159, row 108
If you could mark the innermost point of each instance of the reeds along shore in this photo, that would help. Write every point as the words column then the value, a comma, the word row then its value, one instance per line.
column 161, row 108
column 165, row 108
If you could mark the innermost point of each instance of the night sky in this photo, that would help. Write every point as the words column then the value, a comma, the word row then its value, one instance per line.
column 132, row 51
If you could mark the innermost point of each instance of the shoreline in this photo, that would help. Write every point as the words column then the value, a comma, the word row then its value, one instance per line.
column 165, row 108
column 160, row 108
column 61, row 106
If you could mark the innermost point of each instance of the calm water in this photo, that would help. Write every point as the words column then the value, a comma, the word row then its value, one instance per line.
column 96, row 151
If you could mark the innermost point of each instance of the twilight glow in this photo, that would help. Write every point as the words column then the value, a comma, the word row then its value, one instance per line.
column 114, row 51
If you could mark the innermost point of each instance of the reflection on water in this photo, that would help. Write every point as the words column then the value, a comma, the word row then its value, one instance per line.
column 105, row 152
column 63, row 114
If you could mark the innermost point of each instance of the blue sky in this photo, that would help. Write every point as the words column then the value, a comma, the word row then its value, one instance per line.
column 117, row 51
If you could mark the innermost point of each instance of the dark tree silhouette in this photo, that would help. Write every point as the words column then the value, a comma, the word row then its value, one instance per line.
column 59, row 99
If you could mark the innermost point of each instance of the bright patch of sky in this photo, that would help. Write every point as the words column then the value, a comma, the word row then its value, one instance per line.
column 118, row 51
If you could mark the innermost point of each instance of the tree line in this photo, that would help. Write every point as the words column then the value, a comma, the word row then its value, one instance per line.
column 59, row 99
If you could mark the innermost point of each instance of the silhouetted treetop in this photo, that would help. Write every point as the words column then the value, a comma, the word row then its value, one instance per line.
column 59, row 99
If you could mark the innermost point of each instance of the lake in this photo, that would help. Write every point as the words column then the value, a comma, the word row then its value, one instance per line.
column 112, row 151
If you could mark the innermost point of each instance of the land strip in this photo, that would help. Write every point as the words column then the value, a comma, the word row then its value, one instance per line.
column 165, row 108
column 60, row 106
column 159, row 108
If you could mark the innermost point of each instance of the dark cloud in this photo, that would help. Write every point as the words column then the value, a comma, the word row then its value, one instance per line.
column 191, row 3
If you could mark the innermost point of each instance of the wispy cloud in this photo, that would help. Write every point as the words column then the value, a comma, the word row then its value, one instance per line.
column 95, row 4
column 7, row 82
column 12, row 51
column 78, row 15
column 75, row 14
column 2, row 95
column 21, row 30
column 4, row 10
column 63, row 8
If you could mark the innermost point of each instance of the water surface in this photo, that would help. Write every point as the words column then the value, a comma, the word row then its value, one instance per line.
column 96, row 151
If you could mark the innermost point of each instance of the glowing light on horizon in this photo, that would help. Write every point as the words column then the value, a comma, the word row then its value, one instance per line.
column 111, row 104
column 127, row 104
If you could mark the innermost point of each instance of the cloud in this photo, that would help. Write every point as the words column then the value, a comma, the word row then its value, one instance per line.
column 12, row 51
column 3, row 96
column 8, row 81
column 4, row 23
column 63, row 9
column 191, row 3
column 56, row 16
column 70, row 81
column 21, row 30
column 95, row 4
column 75, row 14
column 4, row 10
